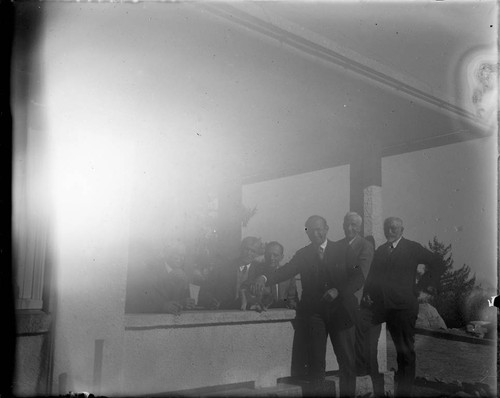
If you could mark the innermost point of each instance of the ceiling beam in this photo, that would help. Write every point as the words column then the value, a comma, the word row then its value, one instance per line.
column 457, row 136
column 299, row 38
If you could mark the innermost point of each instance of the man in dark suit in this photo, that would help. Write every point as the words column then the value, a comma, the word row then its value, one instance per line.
column 285, row 293
column 390, row 295
column 222, row 289
column 329, row 278
column 366, row 353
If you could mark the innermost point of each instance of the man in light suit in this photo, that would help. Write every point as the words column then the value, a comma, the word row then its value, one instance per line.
column 329, row 277
column 366, row 335
column 363, row 250
column 390, row 295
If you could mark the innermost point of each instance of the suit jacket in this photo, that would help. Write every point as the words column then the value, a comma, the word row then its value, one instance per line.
column 338, row 270
column 222, row 285
column 287, row 290
column 151, row 287
column 363, row 252
column 391, row 282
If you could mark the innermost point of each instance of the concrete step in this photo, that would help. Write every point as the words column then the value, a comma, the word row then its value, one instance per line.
column 280, row 390
column 364, row 385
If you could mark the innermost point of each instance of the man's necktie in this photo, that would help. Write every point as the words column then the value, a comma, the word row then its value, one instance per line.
column 321, row 253
column 390, row 249
column 321, row 270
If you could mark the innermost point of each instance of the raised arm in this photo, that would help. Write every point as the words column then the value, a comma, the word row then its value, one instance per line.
column 285, row 272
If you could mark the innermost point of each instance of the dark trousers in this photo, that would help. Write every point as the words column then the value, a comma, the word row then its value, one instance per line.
column 315, row 329
column 366, row 347
column 300, row 358
column 401, row 326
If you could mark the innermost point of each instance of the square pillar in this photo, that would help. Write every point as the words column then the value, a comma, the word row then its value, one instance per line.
column 366, row 191
column 366, row 200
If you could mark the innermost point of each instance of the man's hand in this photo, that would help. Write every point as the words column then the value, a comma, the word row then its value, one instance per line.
column 330, row 295
column 258, row 286
column 189, row 303
column 172, row 307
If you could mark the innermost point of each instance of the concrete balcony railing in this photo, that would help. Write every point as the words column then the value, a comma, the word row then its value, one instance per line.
column 164, row 353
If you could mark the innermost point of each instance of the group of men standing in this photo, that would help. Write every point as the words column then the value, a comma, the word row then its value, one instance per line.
column 348, row 290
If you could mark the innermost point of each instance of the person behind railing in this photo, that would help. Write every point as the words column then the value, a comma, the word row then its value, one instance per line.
column 280, row 295
column 161, row 284
column 222, row 287
column 285, row 293
column 329, row 278
column 390, row 295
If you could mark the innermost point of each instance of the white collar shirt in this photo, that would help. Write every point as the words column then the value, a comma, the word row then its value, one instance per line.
column 244, row 267
column 395, row 243
column 323, row 245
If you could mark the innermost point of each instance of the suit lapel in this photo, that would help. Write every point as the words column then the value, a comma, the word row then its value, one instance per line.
column 329, row 264
column 355, row 244
column 398, row 248
column 312, row 256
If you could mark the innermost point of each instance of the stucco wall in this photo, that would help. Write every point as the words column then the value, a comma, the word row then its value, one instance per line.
column 31, row 365
column 192, row 350
column 167, row 353
column 33, row 352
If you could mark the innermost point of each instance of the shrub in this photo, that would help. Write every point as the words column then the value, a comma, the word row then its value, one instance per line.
column 454, row 288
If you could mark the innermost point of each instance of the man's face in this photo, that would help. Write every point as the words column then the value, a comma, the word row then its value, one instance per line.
column 273, row 256
column 393, row 230
column 249, row 252
column 352, row 227
column 316, row 231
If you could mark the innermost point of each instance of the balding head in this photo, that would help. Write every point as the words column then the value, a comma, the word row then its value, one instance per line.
column 315, row 219
column 316, row 230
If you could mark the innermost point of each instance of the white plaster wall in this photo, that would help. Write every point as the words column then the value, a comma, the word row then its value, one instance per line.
column 163, row 360
column 190, row 351
column 165, row 353
column 450, row 192
column 283, row 206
